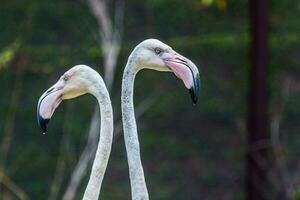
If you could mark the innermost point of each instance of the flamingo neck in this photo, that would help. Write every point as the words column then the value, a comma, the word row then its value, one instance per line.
column 105, row 141
column 136, row 173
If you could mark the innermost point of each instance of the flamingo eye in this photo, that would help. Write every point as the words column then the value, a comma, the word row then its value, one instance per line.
column 66, row 77
column 157, row 50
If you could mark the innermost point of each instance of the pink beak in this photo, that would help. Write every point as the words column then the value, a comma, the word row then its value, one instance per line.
column 184, row 69
column 47, row 104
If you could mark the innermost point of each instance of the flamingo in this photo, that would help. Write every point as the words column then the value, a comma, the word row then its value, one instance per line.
column 78, row 81
column 149, row 54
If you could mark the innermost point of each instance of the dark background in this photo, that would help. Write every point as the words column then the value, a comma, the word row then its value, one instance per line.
column 188, row 151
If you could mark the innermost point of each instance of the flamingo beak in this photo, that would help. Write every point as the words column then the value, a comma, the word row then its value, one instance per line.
column 184, row 69
column 47, row 104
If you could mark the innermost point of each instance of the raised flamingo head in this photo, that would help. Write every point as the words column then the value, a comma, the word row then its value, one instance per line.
column 77, row 81
column 154, row 54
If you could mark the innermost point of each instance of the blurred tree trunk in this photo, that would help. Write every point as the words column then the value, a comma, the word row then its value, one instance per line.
column 111, row 41
column 9, row 126
column 12, row 188
column 287, row 179
column 61, row 164
column 257, row 183
column 11, row 114
column 19, row 63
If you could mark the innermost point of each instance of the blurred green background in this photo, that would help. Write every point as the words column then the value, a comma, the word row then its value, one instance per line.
column 188, row 151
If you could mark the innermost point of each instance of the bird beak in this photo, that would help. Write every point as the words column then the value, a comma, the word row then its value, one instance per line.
column 184, row 69
column 47, row 104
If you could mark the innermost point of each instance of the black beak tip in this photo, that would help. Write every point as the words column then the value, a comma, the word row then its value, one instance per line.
column 195, row 89
column 43, row 123
column 194, row 95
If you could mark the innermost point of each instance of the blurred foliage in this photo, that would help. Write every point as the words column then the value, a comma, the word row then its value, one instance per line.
column 189, row 152
column 9, row 53
column 297, row 193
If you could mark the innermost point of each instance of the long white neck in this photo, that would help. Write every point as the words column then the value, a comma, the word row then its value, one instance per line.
column 136, row 173
column 105, row 141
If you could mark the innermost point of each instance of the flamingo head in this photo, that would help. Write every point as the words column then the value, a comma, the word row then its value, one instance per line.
column 75, row 82
column 154, row 54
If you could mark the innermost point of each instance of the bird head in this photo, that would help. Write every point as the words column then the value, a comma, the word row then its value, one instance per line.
column 154, row 54
column 75, row 82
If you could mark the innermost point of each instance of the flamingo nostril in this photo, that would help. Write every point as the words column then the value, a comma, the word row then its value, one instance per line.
column 51, row 89
column 182, row 60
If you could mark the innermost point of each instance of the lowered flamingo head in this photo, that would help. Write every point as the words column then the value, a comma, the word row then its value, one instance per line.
column 77, row 81
column 154, row 54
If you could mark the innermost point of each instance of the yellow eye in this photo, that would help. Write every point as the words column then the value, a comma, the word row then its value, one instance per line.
column 66, row 77
column 157, row 50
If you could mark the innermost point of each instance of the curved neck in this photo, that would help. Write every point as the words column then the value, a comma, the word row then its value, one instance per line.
column 105, row 141
column 136, row 173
